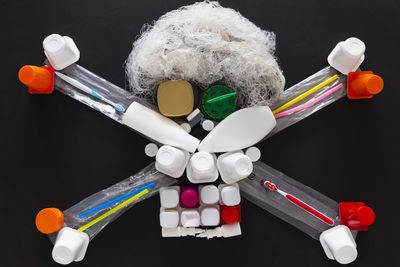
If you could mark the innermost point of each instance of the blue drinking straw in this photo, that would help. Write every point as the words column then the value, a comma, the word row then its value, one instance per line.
column 109, row 203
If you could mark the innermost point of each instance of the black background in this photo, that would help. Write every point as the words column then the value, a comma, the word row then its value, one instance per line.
column 56, row 151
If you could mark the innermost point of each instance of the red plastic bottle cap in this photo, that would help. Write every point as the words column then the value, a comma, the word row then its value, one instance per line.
column 40, row 80
column 49, row 220
column 363, row 84
column 230, row 215
column 365, row 215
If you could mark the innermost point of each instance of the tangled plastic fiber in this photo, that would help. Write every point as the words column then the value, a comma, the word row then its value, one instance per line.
column 205, row 43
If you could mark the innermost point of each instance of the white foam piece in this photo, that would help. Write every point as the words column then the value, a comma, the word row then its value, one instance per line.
column 169, row 218
column 347, row 55
column 232, row 229
column 190, row 218
column 180, row 231
column 209, row 194
column 61, row 51
column 70, row 245
column 234, row 166
column 193, row 114
column 253, row 153
column 169, row 197
column 171, row 161
column 338, row 244
column 151, row 150
column 207, row 125
column 210, row 216
column 230, row 194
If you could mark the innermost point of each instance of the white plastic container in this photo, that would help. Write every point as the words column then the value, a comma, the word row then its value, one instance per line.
column 190, row 218
column 157, row 127
column 169, row 218
column 239, row 130
column 209, row 194
column 171, row 161
column 230, row 194
column 169, row 197
column 202, row 168
column 70, row 246
column 61, row 51
column 347, row 55
column 209, row 216
column 234, row 166
column 338, row 244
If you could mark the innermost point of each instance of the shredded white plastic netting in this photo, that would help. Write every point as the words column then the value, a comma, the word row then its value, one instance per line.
column 205, row 43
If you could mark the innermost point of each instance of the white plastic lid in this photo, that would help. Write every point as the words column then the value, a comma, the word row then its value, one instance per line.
column 209, row 194
column 169, row 218
column 190, row 218
column 151, row 150
column 169, row 197
column 230, row 195
column 253, row 153
column 207, row 125
column 210, row 216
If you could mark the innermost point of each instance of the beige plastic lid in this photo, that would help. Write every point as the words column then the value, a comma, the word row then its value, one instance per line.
column 175, row 98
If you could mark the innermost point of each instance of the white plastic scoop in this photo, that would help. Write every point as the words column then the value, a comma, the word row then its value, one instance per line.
column 241, row 129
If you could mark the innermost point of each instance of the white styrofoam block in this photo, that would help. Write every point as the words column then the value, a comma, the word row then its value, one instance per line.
column 338, row 244
column 169, row 196
column 190, row 218
column 209, row 194
column 210, row 216
column 232, row 229
column 169, row 218
column 230, row 194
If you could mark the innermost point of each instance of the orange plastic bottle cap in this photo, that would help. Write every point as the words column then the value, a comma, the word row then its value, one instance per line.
column 40, row 80
column 363, row 84
column 49, row 220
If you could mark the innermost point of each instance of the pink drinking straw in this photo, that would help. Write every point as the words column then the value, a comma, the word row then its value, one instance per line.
column 309, row 103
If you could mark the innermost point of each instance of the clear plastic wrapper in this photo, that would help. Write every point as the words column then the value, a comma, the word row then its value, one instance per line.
column 254, row 190
column 146, row 176
column 304, row 86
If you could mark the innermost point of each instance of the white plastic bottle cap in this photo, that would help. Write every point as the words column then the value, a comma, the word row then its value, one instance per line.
column 61, row 51
column 253, row 153
column 338, row 244
column 70, row 246
column 230, row 194
column 209, row 194
column 347, row 55
column 190, row 218
column 207, row 125
column 169, row 218
column 209, row 216
column 186, row 127
column 169, row 197
column 171, row 161
column 234, row 166
column 202, row 168
column 151, row 150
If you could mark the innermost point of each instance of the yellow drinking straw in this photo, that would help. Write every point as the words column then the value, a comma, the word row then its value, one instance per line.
column 305, row 94
column 108, row 213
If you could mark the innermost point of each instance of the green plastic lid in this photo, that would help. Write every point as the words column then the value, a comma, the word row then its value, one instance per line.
column 218, row 102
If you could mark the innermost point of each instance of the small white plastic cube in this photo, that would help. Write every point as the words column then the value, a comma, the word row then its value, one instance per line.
column 169, row 197
column 210, row 216
column 209, row 194
column 169, row 218
column 190, row 218
column 230, row 194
